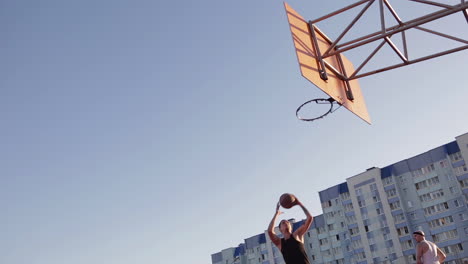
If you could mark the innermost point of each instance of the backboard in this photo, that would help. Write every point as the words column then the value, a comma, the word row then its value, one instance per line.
column 336, row 84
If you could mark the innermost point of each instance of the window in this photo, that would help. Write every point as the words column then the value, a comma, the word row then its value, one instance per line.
column 354, row 231
column 424, row 170
column 386, row 236
column 330, row 215
column 431, row 196
column 455, row 261
column 417, row 173
column 351, row 219
column 376, row 198
column 420, row 185
column 453, row 249
column 408, row 244
column 391, row 193
column 455, row 157
column 427, row 183
column 395, row 205
column 345, row 196
column 433, row 181
column 460, row 170
column 463, row 216
column 383, row 222
column 449, row 177
column 441, row 222
column 445, row 236
column 412, row 258
column 330, row 227
column 326, row 204
column 336, row 251
column 438, row 208
column 361, row 256
column 402, row 231
column 357, row 243
column 402, row 180
column 399, row 218
column 321, row 230
column 323, row 241
column 387, row 181
column 443, row 163
column 365, row 215
column 359, row 191
column 362, row 203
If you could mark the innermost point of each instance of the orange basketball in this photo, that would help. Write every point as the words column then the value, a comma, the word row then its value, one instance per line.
column 287, row 200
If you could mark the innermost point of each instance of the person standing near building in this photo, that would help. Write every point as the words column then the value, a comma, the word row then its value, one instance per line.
column 292, row 243
column 426, row 251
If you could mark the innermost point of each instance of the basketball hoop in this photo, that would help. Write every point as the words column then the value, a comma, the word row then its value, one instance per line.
column 330, row 101
column 323, row 63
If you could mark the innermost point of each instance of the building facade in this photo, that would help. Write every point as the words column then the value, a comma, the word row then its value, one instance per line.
column 370, row 218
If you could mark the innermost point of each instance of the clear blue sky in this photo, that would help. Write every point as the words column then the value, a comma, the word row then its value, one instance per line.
column 164, row 131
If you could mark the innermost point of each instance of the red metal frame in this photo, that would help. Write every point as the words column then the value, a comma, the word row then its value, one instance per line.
column 384, row 35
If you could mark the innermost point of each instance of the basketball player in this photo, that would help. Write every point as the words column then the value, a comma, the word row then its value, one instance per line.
column 426, row 251
column 292, row 244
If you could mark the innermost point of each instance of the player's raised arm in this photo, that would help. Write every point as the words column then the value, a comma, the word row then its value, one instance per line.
column 271, row 229
column 308, row 222
column 440, row 255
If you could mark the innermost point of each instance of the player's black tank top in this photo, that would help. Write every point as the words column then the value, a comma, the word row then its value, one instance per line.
column 293, row 251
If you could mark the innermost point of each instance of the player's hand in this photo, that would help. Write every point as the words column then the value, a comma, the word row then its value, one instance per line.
column 297, row 202
column 278, row 212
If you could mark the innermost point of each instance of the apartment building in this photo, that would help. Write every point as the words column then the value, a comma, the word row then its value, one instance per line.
column 370, row 217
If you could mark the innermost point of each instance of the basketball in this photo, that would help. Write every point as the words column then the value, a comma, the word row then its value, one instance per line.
column 287, row 200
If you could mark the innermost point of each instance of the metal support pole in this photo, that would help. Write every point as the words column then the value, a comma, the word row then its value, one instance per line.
column 322, row 70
